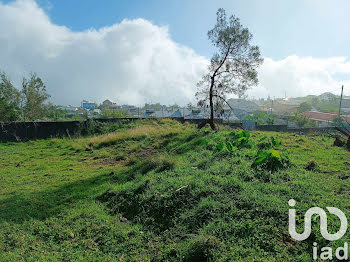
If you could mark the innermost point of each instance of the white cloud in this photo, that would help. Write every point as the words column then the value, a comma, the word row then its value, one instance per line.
column 135, row 62
column 131, row 62
column 300, row 76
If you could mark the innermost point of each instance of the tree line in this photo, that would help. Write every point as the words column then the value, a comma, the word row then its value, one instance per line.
column 25, row 104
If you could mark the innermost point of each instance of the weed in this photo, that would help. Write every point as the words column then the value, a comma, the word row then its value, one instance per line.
column 270, row 160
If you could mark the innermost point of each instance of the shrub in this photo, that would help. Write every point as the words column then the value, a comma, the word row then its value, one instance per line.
column 236, row 140
column 265, row 143
column 271, row 160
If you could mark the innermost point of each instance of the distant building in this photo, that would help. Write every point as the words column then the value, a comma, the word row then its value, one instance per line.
column 197, row 114
column 112, row 107
column 284, row 106
column 176, row 114
column 127, row 107
column 88, row 105
column 324, row 119
column 327, row 97
column 69, row 109
column 107, row 102
column 149, row 113
column 228, row 116
column 345, row 106
column 97, row 111
column 242, row 104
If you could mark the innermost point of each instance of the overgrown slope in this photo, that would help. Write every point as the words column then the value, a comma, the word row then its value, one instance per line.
column 158, row 190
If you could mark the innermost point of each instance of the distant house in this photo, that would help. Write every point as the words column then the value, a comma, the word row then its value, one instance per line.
column 69, row 109
column 97, row 111
column 107, row 102
column 149, row 113
column 197, row 114
column 88, row 105
column 345, row 106
column 228, row 116
column 280, row 106
column 285, row 106
column 242, row 104
column 176, row 114
column 113, row 107
column 327, row 97
column 161, row 113
column 127, row 107
column 324, row 119
column 240, row 113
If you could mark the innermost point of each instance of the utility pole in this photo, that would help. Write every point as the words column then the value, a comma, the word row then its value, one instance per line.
column 341, row 98
column 271, row 106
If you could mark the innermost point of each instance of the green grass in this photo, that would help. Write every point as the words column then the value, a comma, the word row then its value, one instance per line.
column 155, row 191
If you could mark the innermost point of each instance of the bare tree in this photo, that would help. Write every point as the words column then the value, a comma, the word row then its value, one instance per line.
column 233, row 68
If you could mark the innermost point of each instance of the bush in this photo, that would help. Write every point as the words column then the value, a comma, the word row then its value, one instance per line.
column 236, row 140
column 268, row 157
column 271, row 160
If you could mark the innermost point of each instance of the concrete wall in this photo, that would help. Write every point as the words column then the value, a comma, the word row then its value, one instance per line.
column 22, row 131
column 276, row 128
column 313, row 130
column 19, row 131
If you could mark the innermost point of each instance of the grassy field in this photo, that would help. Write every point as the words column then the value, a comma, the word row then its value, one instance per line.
column 158, row 191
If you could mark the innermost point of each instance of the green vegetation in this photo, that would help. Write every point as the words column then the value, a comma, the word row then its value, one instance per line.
column 107, row 113
column 262, row 118
column 301, row 120
column 233, row 67
column 303, row 107
column 328, row 104
column 158, row 191
column 27, row 104
column 266, row 157
column 9, row 100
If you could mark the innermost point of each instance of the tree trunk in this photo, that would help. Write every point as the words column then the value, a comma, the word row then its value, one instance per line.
column 348, row 143
column 210, row 121
column 211, row 104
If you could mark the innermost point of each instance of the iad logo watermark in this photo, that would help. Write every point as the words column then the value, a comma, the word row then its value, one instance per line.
column 341, row 253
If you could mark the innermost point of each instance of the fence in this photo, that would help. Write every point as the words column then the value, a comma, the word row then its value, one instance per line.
column 19, row 131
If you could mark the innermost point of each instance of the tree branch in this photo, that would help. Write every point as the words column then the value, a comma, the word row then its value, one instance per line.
column 223, row 99
column 223, row 60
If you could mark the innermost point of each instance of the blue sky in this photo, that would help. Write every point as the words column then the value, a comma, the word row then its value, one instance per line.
column 316, row 28
column 87, row 50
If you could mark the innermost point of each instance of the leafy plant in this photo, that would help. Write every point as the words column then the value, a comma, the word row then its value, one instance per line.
column 300, row 119
column 271, row 160
column 267, row 156
column 262, row 118
column 240, row 139
column 236, row 140
column 265, row 143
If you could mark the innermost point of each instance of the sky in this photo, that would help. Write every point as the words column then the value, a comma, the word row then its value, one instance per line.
column 156, row 51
